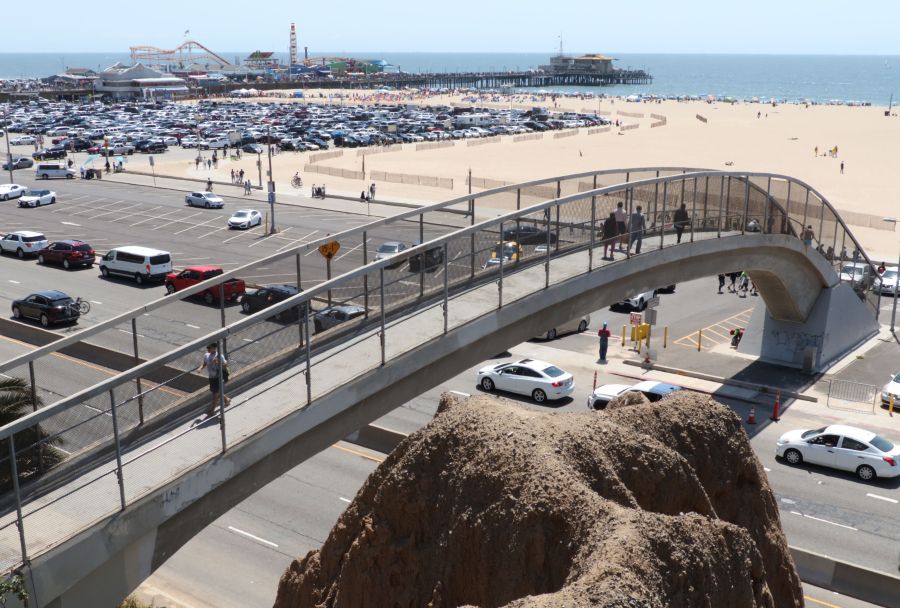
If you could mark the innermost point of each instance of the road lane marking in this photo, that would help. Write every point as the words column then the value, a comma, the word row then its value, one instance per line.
column 253, row 537
column 345, row 499
column 824, row 521
column 70, row 224
column 885, row 498
column 820, row 602
column 788, row 501
column 362, row 454
column 14, row 282
column 192, row 326
column 766, row 469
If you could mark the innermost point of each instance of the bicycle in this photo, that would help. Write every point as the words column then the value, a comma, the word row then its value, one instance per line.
column 80, row 307
column 297, row 182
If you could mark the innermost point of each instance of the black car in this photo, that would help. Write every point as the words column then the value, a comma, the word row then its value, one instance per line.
column 48, row 154
column 252, row 149
column 150, row 147
column 429, row 261
column 330, row 317
column 22, row 162
column 48, row 307
column 255, row 300
column 528, row 235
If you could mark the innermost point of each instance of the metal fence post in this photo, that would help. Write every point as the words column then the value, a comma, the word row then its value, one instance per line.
column 593, row 228
column 547, row 260
column 221, row 373
column 306, row 307
column 140, row 391
column 786, row 224
column 721, row 201
column 518, row 198
column 20, row 521
column 662, row 229
column 765, row 226
column 502, row 246
column 365, row 253
column 300, row 288
column 381, row 334
column 805, row 212
column 446, row 286
column 629, row 203
column 744, row 220
column 693, row 209
column 115, row 422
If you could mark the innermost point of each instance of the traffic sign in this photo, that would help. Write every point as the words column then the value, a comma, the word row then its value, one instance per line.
column 152, row 162
column 650, row 316
column 636, row 318
column 329, row 249
column 653, row 302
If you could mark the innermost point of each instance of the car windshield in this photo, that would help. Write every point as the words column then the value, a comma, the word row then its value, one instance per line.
column 241, row 214
column 852, row 270
column 82, row 247
column 889, row 275
column 882, row 444
column 389, row 248
column 31, row 193
column 897, row 378
column 553, row 371
column 32, row 239
column 809, row 434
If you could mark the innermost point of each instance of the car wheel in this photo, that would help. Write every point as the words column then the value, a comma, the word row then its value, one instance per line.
column 45, row 176
column 104, row 271
column 487, row 384
column 40, row 259
column 45, row 320
column 170, row 288
column 66, row 264
column 138, row 278
column 641, row 304
column 551, row 335
column 20, row 253
column 208, row 298
column 582, row 326
column 6, row 197
column 17, row 314
column 53, row 200
column 866, row 473
column 206, row 204
column 539, row 395
column 793, row 456
column 69, row 176
column 245, row 306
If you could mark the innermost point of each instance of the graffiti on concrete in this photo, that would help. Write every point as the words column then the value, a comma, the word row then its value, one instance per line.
column 797, row 341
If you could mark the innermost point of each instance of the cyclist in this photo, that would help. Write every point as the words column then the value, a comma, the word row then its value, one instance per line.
column 297, row 181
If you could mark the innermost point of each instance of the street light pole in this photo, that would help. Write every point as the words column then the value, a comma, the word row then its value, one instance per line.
column 893, row 220
column 271, row 181
column 8, row 151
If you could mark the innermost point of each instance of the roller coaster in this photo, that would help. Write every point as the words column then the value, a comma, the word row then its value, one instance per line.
column 188, row 53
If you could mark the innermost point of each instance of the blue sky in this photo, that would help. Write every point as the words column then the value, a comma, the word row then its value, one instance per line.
column 652, row 26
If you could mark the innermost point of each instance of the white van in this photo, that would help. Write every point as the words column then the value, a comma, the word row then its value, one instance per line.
column 48, row 170
column 140, row 263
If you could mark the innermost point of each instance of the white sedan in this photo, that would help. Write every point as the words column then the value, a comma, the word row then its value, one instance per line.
column 36, row 198
column 245, row 218
column 653, row 391
column 8, row 191
column 204, row 199
column 538, row 379
column 841, row 447
column 891, row 389
column 23, row 140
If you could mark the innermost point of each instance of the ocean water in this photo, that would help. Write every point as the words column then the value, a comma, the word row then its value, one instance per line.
column 819, row 78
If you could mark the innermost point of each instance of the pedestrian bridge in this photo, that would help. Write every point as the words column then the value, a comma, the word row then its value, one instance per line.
column 122, row 475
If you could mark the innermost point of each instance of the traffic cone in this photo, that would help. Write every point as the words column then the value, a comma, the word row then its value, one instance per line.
column 777, row 409
column 751, row 419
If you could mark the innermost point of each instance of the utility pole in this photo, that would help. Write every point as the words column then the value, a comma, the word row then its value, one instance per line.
column 8, row 151
column 271, row 181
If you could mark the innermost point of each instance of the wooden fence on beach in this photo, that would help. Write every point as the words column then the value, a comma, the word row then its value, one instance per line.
column 334, row 171
column 379, row 150
column 629, row 127
column 434, row 145
column 481, row 142
column 630, row 114
column 316, row 158
column 561, row 134
column 596, row 130
column 413, row 180
column 701, row 118
column 528, row 137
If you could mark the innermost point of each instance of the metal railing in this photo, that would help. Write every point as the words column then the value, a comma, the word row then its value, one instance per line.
column 425, row 292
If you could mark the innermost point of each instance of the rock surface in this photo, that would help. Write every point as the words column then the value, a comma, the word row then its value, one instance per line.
column 494, row 504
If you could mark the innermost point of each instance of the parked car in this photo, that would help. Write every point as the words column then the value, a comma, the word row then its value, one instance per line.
column 892, row 388
column 255, row 300
column 8, row 191
column 23, row 242
column 252, row 149
column 245, row 218
column 68, row 253
column 48, row 154
column 204, row 199
column 390, row 249
column 151, row 147
column 233, row 288
column 428, row 261
column 638, row 301
column 527, row 234
column 140, row 263
column 538, row 379
column 841, row 447
column 510, row 250
column 48, row 307
column 886, row 283
column 653, row 391
column 36, row 198
column 578, row 324
column 330, row 317
column 858, row 272
column 23, row 140
column 52, row 170
column 22, row 162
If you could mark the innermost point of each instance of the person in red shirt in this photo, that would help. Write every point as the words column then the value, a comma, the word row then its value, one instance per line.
column 604, row 335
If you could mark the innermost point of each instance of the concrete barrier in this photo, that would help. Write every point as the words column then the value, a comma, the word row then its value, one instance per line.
column 848, row 579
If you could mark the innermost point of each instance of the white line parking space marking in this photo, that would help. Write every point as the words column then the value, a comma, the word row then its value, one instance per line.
column 140, row 212
column 824, row 521
column 192, row 226
column 93, row 217
column 884, row 498
column 70, row 224
column 125, row 331
column 177, row 220
column 192, row 326
column 211, row 232
column 14, row 282
column 266, row 238
column 349, row 251
column 253, row 537
column 157, row 217
column 788, row 501
column 345, row 499
column 293, row 242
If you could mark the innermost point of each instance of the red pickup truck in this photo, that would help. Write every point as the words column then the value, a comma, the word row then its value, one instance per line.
column 234, row 288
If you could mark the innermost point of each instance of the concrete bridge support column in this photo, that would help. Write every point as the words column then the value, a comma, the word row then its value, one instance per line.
column 837, row 323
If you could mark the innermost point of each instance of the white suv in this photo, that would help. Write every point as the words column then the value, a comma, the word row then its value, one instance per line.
column 23, row 242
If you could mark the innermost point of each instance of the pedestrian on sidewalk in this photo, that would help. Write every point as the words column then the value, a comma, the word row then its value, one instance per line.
column 733, row 276
column 620, row 224
column 610, row 233
column 241, row 174
column 604, row 335
column 744, row 284
column 842, row 167
column 216, row 367
column 638, row 225
column 248, row 188
column 721, row 282
column 232, row 176
column 372, row 188
column 681, row 220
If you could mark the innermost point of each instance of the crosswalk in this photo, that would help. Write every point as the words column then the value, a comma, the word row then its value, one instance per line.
column 717, row 333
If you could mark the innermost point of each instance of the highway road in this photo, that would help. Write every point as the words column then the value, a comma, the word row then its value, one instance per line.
column 821, row 510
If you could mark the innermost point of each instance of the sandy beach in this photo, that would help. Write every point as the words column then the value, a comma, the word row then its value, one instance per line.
column 785, row 139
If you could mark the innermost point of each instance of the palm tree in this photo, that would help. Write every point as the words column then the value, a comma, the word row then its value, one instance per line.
column 34, row 453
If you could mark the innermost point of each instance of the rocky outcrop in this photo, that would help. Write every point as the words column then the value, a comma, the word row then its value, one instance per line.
column 494, row 504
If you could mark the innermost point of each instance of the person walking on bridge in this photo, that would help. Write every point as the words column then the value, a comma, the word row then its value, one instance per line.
column 620, row 223
column 637, row 227
column 213, row 363
column 681, row 220
column 610, row 234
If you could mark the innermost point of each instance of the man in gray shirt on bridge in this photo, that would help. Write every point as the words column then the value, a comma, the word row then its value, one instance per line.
column 637, row 225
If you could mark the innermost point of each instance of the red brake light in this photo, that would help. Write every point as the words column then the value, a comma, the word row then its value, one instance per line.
column 557, row 384
column 890, row 461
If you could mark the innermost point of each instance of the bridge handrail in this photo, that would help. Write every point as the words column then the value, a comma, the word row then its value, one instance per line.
column 323, row 288
column 183, row 294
